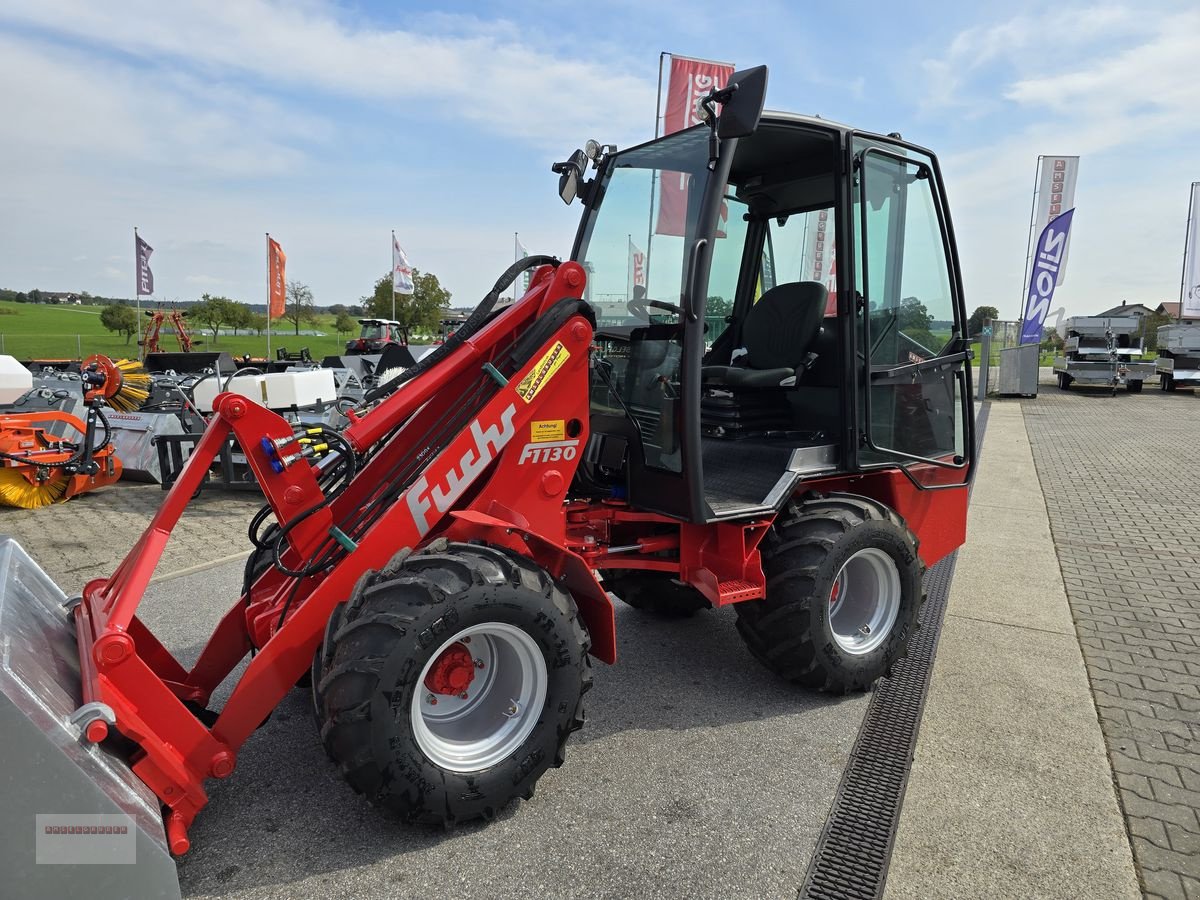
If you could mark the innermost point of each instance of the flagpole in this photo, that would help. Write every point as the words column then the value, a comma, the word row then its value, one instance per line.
column 1029, row 239
column 393, row 274
column 137, row 289
column 1187, row 244
column 654, row 172
column 268, row 298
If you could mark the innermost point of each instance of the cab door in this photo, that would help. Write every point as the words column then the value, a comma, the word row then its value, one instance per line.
column 913, row 402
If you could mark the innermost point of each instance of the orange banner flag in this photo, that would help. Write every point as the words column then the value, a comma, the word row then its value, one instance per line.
column 276, row 261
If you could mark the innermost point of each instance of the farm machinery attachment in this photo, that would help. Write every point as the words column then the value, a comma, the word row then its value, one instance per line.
column 49, row 456
column 439, row 573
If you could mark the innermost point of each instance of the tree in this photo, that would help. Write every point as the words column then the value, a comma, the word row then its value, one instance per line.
column 214, row 312
column 121, row 318
column 299, row 306
column 420, row 311
column 1149, row 329
column 256, row 322
column 345, row 323
column 915, row 322
column 975, row 323
column 717, row 306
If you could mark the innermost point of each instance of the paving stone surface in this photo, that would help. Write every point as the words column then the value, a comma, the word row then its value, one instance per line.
column 1122, row 486
column 87, row 537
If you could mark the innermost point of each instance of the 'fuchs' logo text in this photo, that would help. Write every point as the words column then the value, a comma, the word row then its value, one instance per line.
column 449, row 487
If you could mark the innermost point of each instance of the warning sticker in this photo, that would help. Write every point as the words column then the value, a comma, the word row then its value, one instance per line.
column 532, row 383
column 549, row 430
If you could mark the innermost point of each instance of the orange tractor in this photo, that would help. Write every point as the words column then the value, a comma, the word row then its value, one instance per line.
column 440, row 573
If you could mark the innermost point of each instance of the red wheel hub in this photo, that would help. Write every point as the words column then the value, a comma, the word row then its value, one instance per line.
column 452, row 672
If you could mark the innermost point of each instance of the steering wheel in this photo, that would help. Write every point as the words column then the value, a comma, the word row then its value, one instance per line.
column 639, row 307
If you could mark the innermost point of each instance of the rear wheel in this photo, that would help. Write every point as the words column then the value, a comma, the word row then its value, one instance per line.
column 1064, row 381
column 844, row 586
column 1134, row 387
column 655, row 592
column 1168, row 382
column 449, row 687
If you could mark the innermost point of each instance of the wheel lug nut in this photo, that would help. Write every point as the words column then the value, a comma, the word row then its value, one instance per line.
column 431, row 700
column 479, row 663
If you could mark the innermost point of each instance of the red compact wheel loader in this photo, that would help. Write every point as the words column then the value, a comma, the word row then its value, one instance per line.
column 440, row 572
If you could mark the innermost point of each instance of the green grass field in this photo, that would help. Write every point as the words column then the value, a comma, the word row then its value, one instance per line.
column 37, row 331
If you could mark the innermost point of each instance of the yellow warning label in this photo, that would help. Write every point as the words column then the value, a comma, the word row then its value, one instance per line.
column 549, row 430
column 533, row 383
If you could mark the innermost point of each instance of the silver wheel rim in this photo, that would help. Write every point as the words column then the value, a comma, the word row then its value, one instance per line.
column 502, row 704
column 864, row 601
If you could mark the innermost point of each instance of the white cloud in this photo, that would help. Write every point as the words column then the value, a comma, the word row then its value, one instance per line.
column 493, row 76
column 1120, row 91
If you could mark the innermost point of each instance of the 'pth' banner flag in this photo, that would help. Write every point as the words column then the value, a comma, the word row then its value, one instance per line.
column 277, row 278
column 402, row 273
column 1190, row 301
column 690, row 82
column 145, row 278
column 1056, row 195
column 1048, row 256
column 637, row 269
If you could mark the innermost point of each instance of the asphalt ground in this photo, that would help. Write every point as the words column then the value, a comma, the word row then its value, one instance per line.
column 698, row 774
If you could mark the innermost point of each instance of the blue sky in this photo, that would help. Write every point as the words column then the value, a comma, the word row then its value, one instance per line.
column 208, row 124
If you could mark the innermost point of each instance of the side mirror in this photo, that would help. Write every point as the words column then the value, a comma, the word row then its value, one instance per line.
column 741, row 112
column 570, row 172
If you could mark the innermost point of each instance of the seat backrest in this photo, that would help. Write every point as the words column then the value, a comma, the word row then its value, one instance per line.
column 780, row 327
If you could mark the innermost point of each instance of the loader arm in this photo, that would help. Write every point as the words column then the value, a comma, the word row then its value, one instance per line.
column 418, row 469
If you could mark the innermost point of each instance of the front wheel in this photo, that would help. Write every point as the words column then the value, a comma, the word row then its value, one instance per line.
column 451, row 685
column 1134, row 387
column 844, row 586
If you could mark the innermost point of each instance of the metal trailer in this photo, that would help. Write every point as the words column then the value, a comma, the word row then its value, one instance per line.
column 1178, row 363
column 1102, row 350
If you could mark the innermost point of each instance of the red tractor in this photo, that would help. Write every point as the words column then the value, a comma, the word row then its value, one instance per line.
column 376, row 336
column 441, row 572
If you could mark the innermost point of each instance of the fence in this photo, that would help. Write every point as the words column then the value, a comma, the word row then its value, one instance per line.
column 50, row 345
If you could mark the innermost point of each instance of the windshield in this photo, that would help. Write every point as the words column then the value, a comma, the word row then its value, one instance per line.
column 633, row 245
column 372, row 332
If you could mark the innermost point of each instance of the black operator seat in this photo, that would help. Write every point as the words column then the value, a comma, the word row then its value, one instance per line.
column 777, row 338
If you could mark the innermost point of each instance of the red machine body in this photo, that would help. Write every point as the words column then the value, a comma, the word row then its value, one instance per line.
column 503, row 479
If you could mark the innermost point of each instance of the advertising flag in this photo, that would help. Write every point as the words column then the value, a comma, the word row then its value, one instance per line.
column 690, row 82
column 1048, row 256
column 145, row 278
column 402, row 273
column 520, row 251
column 1055, row 195
column 1190, row 301
column 277, row 278
column 637, row 269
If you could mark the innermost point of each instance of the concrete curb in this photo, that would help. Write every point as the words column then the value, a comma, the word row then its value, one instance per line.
column 1011, row 792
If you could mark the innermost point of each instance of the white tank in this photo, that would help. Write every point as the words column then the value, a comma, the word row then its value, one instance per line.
column 279, row 390
column 15, row 379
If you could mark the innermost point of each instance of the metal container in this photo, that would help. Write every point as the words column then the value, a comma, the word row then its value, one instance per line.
column 1019, row 370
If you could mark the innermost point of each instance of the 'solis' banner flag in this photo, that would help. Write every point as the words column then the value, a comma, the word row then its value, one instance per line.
column 691, row 81
column 637, row 269
column 1048, row 257
column 145, row 278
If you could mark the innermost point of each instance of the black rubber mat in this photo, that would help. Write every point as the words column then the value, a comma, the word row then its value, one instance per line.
column 740, row 473
column 852, row 854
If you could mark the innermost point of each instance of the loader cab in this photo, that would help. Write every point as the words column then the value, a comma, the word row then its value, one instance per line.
column 792, row 313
